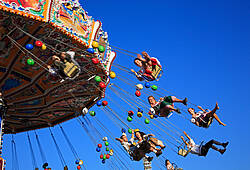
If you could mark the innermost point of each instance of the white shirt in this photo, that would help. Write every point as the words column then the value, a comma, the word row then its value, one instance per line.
column 126, row 145
column 198, row 114
column 194, row 149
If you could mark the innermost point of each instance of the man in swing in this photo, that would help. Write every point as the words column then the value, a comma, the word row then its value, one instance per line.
column 60, row 65
column 202, row 150
column 147, row 65
column 165, row 105
column 203, row 118
column 136, row 153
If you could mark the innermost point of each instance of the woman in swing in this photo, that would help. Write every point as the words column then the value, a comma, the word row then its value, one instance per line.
column 203, row 118
column 202, row 150
column 147, row 64
column 165, row 105
column 141, row 136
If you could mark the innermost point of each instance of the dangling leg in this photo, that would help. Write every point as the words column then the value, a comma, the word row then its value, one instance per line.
column 213, row 114
column 218, row 120
column 210, row 145
column 221, row 144
column 174, row 99
column 153, row 150
column 219, row 150
column 157, row 142
column 153, row 146
column 171, row 108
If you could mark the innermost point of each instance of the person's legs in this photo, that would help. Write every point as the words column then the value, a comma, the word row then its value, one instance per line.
column 218, row 120
column 174, row 99
column 221, row 144
column 211, row 113
column 171, row 108
column 153, row 145
column 153, row 150
column 210, row 145
column 214, row 115
column 157, row 142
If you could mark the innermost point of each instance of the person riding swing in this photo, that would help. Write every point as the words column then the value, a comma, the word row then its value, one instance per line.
column 151, row 68
column 165, row 106
column 141, row 137
column 202, row 150
column 65, row 65
column 204, row 117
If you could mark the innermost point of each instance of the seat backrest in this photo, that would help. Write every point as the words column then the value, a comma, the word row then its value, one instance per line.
column 156, row 70
column 70, row 69
column 183, row 152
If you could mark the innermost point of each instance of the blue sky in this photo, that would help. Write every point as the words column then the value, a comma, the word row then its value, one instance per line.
column 204, row 49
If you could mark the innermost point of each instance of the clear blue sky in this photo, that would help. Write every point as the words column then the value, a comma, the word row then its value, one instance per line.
column 204, row 47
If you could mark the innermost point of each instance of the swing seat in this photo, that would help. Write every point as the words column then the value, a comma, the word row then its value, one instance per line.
column 71, row 70
column 156, row 72
column 183, row 152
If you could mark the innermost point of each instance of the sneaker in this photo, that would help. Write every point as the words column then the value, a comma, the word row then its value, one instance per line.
column 185, row 101
column 158, row 153
column 150, row 159
column 163, row 147
column 225, row 144
column 222, row 151
column 178, row 110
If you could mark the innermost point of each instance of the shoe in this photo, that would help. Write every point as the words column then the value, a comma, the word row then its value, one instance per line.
column 185, row 101
column 150, row 159
column 178, row 110
column 158, row 153
column 225, row 144
column 222, row 151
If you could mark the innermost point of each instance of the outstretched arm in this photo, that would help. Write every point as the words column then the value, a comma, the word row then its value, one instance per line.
column 141, row 58
column 137, row 75
column 133, row 134
column 201, row 109
column 147, row 57
column 186, row 135
column 184, row 140
column 151, row 135
column 118, row 139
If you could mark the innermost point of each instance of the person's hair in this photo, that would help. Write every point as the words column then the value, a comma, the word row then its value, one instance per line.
column 137, row 59
column 149, row 97
column 166, row 161
column 191, row 108
column 141, row 133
